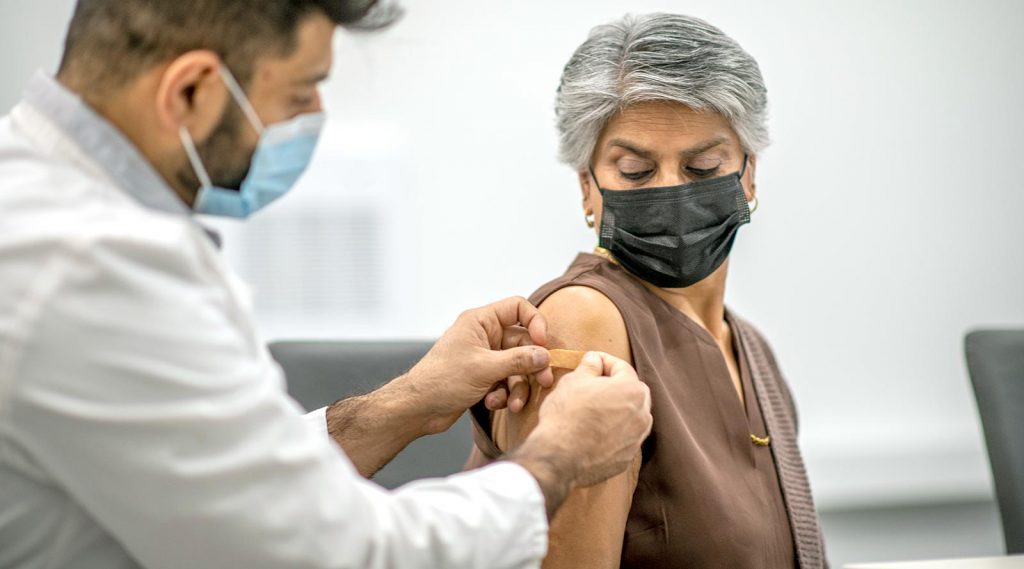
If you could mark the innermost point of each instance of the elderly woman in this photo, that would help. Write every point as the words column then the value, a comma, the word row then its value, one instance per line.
column 663, row 118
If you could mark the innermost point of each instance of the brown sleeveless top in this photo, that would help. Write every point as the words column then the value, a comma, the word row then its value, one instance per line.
column 707, row 496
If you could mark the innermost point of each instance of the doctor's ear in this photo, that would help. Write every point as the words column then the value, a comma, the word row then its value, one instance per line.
column 191, row 93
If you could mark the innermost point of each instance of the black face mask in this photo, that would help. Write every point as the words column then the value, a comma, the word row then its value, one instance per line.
column 674, row 236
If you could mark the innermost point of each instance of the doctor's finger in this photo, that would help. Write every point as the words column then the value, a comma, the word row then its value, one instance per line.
column 518, row 393
column 497, row 398
column 515, row 336
column 518, row 311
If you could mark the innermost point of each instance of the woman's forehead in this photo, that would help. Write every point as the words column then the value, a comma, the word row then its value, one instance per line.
column 659, row 125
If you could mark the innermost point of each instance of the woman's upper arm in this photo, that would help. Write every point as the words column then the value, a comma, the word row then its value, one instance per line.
column 589, row 527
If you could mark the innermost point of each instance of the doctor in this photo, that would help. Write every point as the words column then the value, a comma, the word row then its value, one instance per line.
column 142, row 422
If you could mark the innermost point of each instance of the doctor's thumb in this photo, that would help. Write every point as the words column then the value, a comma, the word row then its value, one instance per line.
column 523, row 360
column 591, row 364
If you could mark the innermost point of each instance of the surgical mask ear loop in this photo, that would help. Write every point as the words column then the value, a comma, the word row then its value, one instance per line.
column 238, row 94
column 250, row 113
column 193, row 157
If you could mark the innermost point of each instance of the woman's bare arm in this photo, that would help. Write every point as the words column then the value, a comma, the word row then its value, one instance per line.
column 589, row 528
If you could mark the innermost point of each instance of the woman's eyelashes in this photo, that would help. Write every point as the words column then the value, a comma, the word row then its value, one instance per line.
column 702, row 172
column 636, row 176
column 691, row 172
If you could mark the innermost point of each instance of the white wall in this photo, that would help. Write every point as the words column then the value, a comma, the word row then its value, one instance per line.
column 889, row 220
column 31, row 37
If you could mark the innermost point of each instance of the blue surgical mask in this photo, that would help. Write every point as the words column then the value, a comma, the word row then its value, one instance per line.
column 282, row 155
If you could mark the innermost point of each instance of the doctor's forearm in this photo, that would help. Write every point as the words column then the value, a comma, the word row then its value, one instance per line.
column 375, row 427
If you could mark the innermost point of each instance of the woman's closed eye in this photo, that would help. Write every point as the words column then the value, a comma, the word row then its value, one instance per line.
column 702, row 172
column 636, row 176
column 693, row 172
column 635, row 169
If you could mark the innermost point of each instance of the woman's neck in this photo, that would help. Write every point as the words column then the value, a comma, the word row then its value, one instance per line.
column 704, row 302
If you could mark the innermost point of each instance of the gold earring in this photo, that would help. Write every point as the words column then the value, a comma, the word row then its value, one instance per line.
column 588, row 216
column 752, row 204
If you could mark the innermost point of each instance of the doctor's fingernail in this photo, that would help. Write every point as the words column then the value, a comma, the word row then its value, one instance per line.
column 540, row 357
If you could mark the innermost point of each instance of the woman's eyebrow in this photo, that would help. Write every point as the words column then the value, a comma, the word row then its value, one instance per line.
column 704, row 146
column 621, row 143
column 699, row 148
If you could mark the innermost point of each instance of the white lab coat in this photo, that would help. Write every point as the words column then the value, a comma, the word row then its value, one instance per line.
column 142, row 421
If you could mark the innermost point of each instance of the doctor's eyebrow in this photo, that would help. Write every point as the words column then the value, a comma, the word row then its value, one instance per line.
column 313, row 79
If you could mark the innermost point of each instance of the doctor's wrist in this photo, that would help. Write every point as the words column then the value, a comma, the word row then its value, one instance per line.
column 417, row 402
column 551, row 466
column 374, row 427
column 404, row 408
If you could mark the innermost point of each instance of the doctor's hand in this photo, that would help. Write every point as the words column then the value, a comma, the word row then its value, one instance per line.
column 474, row 360
column 470, row 362
column 590, row 428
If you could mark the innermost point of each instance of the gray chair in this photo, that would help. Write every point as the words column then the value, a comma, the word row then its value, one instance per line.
column 995, row 360
column 319, row 373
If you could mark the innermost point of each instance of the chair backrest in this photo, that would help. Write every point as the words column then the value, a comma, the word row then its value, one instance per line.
column 321, row 372
column 995, row 360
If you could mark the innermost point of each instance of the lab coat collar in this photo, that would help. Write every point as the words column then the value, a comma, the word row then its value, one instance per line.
column 99, row 140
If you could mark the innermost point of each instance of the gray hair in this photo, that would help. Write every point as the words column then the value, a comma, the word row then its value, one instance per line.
column 657, row 57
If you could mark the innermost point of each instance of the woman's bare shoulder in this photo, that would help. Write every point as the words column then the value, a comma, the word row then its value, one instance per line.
column 578, row 318
column 582, row 318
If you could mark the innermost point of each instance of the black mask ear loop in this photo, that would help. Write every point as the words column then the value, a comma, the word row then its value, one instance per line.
column 743, row 170
column 599, row 249
column 590, row 169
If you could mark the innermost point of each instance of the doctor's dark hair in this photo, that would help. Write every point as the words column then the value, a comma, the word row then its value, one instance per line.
column 657, row 57
column 111, row 42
